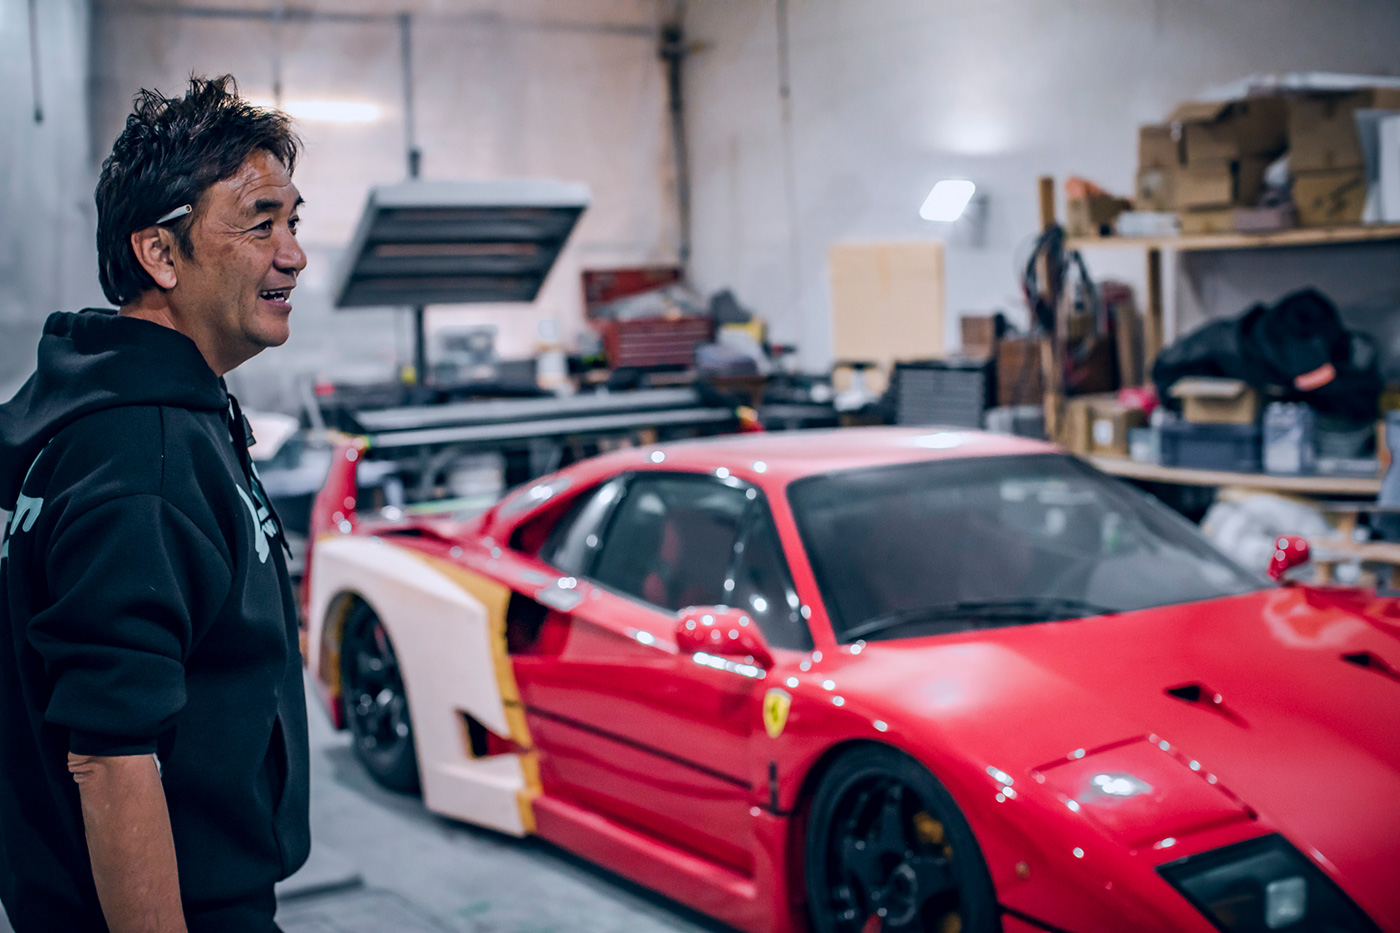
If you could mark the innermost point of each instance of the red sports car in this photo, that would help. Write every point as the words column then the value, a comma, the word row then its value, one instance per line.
column 876, row 680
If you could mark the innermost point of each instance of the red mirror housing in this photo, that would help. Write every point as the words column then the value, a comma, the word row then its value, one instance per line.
column 1289, row 552
column 724, row 632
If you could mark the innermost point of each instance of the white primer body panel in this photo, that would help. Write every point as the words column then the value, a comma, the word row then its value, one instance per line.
column 442, row 637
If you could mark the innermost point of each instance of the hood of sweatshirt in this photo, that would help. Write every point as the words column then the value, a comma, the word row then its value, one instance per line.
column 92, row 360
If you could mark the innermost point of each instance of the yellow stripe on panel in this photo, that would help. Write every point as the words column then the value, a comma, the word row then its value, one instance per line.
column 495, row 597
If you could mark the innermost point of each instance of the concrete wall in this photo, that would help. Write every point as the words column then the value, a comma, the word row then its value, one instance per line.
column 568, row 89
column 886, row 97
column 889, row 96
column 47, row 219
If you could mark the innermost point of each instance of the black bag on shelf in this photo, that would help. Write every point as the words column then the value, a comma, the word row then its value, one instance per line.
column 1285, row 350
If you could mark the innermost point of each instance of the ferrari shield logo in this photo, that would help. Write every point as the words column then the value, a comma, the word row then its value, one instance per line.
column 776, row 704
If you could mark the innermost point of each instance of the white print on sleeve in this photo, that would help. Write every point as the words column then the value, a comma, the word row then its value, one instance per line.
column 259, row 537
column 27, row 510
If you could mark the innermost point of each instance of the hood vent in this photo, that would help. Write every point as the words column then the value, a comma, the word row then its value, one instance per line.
column 1373, row 662
column 1198, row 694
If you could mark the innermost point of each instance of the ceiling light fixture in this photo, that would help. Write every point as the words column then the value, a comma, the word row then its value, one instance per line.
column 326, row 111
column 947, row 201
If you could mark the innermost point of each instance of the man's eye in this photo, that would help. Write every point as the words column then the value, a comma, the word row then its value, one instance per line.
column 264, row 227
column 293, row 224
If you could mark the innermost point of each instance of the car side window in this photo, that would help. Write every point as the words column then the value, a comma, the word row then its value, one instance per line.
column 671, row 541
column 576, row 539
column 761, row 585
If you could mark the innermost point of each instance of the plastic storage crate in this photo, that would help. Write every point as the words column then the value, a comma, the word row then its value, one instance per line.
column 1232, row 447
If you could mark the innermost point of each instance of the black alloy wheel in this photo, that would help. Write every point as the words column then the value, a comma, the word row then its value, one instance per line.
column 375, row 705
column 888, row 851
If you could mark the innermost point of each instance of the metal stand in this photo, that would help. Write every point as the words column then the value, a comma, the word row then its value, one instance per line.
column 420, row 347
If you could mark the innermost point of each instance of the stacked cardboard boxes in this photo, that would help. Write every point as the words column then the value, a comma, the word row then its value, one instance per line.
column 1325, row 156
column 1225, row 148
column 1208, row 161
column 1159, row 160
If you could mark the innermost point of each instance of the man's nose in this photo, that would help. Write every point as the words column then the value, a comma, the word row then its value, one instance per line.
column 290, row 256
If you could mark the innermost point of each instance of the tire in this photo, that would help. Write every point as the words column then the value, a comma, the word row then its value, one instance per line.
column 888, row 851
column 375, row 704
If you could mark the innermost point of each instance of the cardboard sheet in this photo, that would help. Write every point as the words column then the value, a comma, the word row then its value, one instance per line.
column 887, row 300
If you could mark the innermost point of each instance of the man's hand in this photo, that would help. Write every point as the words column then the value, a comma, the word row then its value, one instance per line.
column 129, row 842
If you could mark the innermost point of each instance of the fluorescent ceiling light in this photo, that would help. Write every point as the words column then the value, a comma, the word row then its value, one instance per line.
column 332, row 111
column 326, row 111
column 947, row 201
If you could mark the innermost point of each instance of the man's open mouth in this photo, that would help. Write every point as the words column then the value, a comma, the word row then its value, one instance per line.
column 279, row 294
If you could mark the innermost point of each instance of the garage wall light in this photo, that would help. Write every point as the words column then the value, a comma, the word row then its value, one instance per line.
column 947, row 201
column 326, row 111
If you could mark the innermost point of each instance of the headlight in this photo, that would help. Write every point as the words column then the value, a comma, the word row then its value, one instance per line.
column 1265, row 884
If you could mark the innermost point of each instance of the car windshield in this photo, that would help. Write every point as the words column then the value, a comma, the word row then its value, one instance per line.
column 959, row 544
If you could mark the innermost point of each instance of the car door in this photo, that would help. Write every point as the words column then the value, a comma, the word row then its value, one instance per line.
column 626, row 725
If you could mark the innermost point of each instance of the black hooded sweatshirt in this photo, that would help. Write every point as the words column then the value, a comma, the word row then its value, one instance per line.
column 145, row 607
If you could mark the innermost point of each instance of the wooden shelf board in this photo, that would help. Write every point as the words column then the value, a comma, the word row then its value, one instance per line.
column 1335, row 550
column 1311, row 236
column 1307, row 485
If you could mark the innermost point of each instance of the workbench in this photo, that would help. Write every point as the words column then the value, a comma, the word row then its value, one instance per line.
column 535, row 436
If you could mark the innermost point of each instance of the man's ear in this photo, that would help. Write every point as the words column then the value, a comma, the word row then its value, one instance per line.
column 154, row 248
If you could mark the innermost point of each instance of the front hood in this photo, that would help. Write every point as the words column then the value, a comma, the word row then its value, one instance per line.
column 1281, row 706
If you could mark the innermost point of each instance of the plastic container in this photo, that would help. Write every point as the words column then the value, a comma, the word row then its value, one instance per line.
column 1144, row 445
column 1336, row 437
column 1289, row 447
column 1232, row 447
column 1018, row 420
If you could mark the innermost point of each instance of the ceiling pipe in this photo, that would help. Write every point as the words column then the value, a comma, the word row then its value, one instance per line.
column 673, row 53
column 34, row 69
column 414, row 155
column 410, row 130
column 278, row 14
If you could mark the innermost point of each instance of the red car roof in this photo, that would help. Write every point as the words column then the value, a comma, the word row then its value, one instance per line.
column 788, row 455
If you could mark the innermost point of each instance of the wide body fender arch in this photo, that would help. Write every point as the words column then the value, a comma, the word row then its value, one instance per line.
column 447, row 625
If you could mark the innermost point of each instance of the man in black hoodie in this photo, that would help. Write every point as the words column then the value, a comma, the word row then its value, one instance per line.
column 153, row 755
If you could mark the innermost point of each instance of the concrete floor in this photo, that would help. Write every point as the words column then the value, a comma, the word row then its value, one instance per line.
column 463, row 878
column 381, row 862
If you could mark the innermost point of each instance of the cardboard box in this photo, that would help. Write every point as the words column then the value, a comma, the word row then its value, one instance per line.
column 1127, row 329
column 1330, row 199
column 980, row 333
column 1159, row 146
column 1076, row 426
column 1020, row 379
column 1220, row 184
column 1322, row 130
column 1217, row 220
column 1094, row 215
column 1221, row 131
column 1155, row 190
column 1099, row 424
column 1209, row 400
column 1265, row 219
column 1108, row 433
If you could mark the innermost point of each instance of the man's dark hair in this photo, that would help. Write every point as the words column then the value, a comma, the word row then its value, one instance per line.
column 170, row 153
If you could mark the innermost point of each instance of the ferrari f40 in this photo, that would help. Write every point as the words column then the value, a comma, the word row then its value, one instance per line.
column 879, row 679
